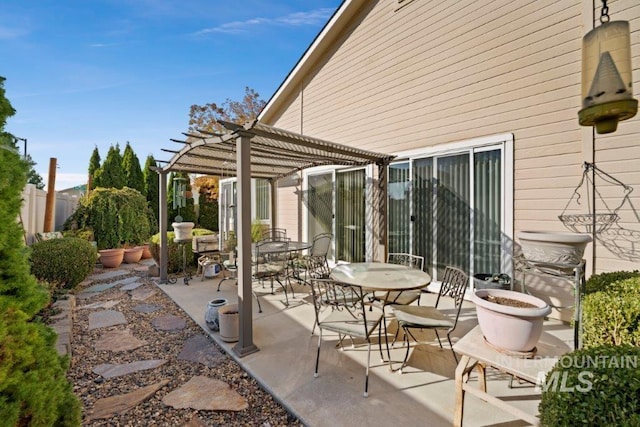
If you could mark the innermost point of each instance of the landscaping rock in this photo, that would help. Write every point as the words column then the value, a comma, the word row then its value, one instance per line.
column 169, row 323
column 200, row 349
column 203, row 393
column 109, row 370
column 109, row 406
column 106, row 318
column 118, row 341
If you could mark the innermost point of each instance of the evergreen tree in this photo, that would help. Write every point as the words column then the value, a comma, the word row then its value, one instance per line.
column 32, row 176
column 151, row 185
column 94, row 165
column 132, row 171
column 33, row 387
column 111, row 174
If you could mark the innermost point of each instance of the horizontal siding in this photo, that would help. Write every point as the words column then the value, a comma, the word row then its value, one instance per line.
column 288, row 211
column 432, row 73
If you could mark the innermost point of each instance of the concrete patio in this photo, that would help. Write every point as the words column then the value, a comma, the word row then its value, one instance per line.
column 423, row 395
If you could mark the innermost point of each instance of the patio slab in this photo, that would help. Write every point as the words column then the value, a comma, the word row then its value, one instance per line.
column 284, row 366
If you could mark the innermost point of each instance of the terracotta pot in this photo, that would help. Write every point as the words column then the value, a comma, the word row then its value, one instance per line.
column 515, row 329
column 133, row 255
column 146, row 253
column 111, row 258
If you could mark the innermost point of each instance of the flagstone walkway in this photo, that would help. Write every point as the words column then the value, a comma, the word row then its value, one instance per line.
column 139, row 360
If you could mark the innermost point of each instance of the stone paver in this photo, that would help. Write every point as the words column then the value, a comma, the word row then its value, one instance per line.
column 207, row 394
column 199, row 349
column 131, row 286
column 109, row 275
column 142, row 294
column 169, row 323
column 106, row 318
column 109, row 370
column 99, row 288
column 127, row 281
column 101, row 304
column 114, row 405
column 146, row 308
column 118, row 341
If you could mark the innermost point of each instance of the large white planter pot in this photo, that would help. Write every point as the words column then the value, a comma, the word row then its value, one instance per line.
column 553, row 247
column 515, row 329
column 229, row 320
column 183, row 230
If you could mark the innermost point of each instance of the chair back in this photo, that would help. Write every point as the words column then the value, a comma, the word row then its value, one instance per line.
column 453, row 285
column 321, row 245
column 317, row 267
column 271, row 257
column 412, row 261
column 274, row 234
column 329, row 295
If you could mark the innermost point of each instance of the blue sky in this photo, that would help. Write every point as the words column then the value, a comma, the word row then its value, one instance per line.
column 87, row 73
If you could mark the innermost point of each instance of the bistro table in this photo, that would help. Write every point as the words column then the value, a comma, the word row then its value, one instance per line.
column 379, row 276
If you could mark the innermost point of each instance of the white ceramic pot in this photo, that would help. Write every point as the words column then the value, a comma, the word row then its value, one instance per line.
column 553, row 247
column 183, row 230
column 516, row 329
column 229, row 323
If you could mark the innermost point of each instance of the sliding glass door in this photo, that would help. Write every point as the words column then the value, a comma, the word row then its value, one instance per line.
column 350, row 235
column 449, row 209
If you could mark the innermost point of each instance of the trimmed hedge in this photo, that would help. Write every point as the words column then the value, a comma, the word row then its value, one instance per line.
column 612, row 315
column 600, row 282
column 175, row 254
column 599, row 386
column 63, row 262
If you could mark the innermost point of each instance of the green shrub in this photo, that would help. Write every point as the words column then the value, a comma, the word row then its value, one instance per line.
column 612, row 316
column 63, row 262
column 116, row 216
column 174, row 253
column 599, row 386
column 33, row 388
column 600, row 282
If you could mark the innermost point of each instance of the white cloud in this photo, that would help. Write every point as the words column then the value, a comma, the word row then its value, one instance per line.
column 297, row 19
column 67, row 180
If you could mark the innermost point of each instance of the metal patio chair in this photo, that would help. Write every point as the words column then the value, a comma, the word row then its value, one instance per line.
column 270, row 263
column 410, row 317
column 340, row 308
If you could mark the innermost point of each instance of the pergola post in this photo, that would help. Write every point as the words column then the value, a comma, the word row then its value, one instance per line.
column 274, row 205
column 245, row 343
column 162, row 226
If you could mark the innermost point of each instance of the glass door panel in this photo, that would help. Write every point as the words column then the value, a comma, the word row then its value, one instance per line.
column 487, row 213
column 453, row 213
column 423, row 198
column 319, row 205
column 399, row 208
column 350, row 216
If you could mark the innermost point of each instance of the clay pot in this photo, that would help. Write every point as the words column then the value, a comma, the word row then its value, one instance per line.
column 553, row 247
column 111, row 258
column 228, row 319
column 146, row 253
column 515, row 329
column 133, row 255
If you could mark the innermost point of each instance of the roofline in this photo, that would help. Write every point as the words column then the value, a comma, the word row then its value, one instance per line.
column 338, row 20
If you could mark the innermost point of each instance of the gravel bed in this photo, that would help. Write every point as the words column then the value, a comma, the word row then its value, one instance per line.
column 263, row 410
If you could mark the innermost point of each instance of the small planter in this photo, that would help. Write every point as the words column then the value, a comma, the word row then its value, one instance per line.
column 492, row 281
column 510, row 328
column 229, row 323
column 183, row 230
column 133, row 255
column 111, row 258
column 211, row 316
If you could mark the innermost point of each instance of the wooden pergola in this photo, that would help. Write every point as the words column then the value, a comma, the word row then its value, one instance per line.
column 253, row 150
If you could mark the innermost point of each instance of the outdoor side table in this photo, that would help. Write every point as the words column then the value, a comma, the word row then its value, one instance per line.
column 476, row 354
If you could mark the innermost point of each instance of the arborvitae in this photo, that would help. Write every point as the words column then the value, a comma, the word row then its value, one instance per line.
column 94, row 165
column 111, row 174
column 33, row 387
column 132, row 171
column 151, row 185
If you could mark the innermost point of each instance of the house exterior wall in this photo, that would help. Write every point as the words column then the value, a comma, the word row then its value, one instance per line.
column 399, row 77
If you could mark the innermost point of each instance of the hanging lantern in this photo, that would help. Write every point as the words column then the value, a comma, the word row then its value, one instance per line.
column 607, row 92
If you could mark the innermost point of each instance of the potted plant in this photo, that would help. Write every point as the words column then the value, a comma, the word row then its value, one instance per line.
column 492, row 281
column 132, row 254
column 111, row 258
column 510, row 320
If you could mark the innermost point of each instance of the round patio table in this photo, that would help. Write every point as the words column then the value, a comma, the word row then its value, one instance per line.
column 385, row 277
column 379, row 276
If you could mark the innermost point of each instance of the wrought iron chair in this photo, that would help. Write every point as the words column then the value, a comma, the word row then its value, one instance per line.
column 410, row 317
column 273, row 234
column 340, row 308
column 271, row 259
column 315, row 264
column 402, row 297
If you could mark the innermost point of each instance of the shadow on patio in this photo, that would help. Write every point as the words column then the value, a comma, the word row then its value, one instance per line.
column 423, row 395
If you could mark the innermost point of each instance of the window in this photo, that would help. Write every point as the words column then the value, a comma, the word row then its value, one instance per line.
column 262, row 200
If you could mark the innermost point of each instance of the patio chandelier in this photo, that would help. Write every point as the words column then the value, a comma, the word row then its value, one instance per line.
column 607, row 93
